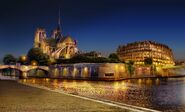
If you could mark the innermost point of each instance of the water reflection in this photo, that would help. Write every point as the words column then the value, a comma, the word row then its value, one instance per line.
column 159, row 94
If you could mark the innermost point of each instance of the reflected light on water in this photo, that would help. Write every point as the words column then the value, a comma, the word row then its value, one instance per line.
column 123, row 86
column 47, row 80
column 24, row 80
column 55, row 83
column 140, row 82
column 74, row 84
column 149, row 82
column 157, row 93
column 116, row 86
column 33, row 81
column 157, row 81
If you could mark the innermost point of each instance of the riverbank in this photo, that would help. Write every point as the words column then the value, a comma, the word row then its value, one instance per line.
column 22, row 98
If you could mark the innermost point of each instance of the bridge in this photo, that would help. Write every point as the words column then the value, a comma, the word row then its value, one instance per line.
column 22, row 71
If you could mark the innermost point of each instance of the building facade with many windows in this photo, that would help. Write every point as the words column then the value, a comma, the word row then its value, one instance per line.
column 138, row 51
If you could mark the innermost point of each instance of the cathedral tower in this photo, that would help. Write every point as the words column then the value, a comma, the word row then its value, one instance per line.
column 40, row 36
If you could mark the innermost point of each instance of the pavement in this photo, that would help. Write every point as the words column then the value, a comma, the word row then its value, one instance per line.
column 15, row 97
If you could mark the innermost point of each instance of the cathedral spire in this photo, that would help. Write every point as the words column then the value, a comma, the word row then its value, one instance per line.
column 59, row 24
column 57, row 33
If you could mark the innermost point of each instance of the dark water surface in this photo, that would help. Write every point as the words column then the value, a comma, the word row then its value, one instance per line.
column 159, row 94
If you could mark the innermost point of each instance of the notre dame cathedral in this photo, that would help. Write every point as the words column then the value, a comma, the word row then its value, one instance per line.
column 57, row 45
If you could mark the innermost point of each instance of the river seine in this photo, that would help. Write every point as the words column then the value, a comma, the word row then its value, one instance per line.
column 165, row 94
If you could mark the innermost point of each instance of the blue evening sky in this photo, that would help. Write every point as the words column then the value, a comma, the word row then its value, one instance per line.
column 99, row 25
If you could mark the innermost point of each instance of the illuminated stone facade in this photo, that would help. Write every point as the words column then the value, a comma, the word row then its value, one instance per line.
column 138, row 51
column 94, row 71
column 56, row 45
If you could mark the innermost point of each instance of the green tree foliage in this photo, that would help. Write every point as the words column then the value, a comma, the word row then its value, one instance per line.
column 148, row 61
column 43, row 59
column 91, row 54
column 37, row 55
column 83, row 59
column 130, row 62
column 9, row 59
column 130, row 67
column 114, row 57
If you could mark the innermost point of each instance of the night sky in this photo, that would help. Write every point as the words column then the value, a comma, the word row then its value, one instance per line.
column 99, row 25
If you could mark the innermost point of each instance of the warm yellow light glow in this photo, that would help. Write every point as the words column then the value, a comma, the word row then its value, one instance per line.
column 55, row 83
column 149, row 82
column 157, row 81
column 65, row 71
column 116, row 67
column 85, row 69
column 24, row 74
column 25, row 67
column 47, row 80
column 123, row 86
column 74, row 71
column 67, row 56
column 33, row 63
column 56, row 72
column 122, row 68
column 33, row 81
column 23, row 58
column 24, row 80
column 116, row 86
column 140, row 81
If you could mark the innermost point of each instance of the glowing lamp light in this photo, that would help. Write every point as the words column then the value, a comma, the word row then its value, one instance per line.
column 116, row 66
column 47, row 79
column 65, row 71
column 122, row 68
column 85, row 69
column 23, row 58
column 24, row 80
column 24, row 74
column 34, row 63
column 74, row 71
column 67, row 56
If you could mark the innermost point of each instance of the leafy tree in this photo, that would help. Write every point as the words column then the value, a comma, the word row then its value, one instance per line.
column 130, row 67
column 36, row 54
column 148, row 61
column 114, row 57
column 83, row 59
column 33, row 54
column 91, row 54
column 43, row 59
column 9, row 59
column 130, row 62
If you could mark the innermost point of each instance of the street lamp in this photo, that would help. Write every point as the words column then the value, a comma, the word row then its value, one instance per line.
column 23, row 58
column 33, row 63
